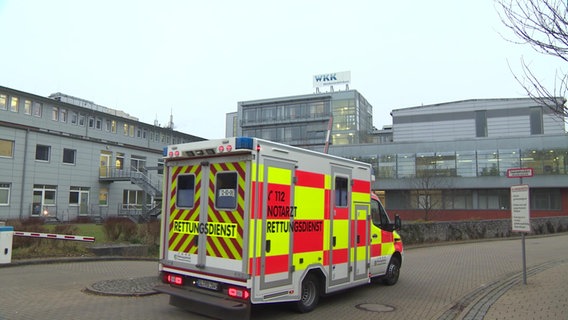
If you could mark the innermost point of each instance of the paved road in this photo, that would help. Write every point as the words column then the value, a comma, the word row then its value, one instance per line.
column 459, row 281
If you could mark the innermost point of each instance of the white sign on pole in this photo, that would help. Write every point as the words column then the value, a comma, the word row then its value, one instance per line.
column 520, row 210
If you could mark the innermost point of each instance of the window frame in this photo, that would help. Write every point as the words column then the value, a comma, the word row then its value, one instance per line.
column 47, row 152
column 3, row 101
column 225, row 181
column 11, row 154
column 14, row 104
column 5, row 187
column 66, row 155
column 185, row 192
column 341, row 191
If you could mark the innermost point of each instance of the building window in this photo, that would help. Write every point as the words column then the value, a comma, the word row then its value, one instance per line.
column 103, row 196
column 74, row 117
column 387, row 166
column 406, row 165
column 487, row 163
column 43, row 199
column 63, row 115
column 14, row 104
column 107, row 125
column 495, row 199
column 4, row 194
column 91, row 122
column 138, row 163
column 458, row 199
column 132, row 199
column 481, row 124
column 533, row 159
column 445, row 164
column 27, row 107
column 42, row 152
column 466, row 164
column 425, row 164
column 99, row 123
column 160, row 166
column 508, row 159
column 536, row 120
column 3, row 102
column 185, row 191
column 69, row 156
column 545, row 199
column 79, row 197
column 341, row 191
column 37, row 109
column 125, row 127
column 119, row 163
column 81, row 120
column 113, row 126
column 6, row 148
column 55, row 114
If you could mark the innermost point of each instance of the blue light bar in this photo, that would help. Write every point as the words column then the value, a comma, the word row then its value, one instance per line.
column 244, row 143
column 165, row 151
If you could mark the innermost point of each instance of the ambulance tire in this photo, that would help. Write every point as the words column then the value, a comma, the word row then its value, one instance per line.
column 393, row 271
column 310, row 294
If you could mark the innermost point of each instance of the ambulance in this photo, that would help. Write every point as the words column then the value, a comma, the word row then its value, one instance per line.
column 248, row 221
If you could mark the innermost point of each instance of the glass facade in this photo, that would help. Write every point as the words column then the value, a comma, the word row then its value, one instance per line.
column 473, row 163
column 305, row 122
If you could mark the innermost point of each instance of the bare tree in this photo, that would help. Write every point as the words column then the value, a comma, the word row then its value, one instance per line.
column 426, row 190
column 543, row 24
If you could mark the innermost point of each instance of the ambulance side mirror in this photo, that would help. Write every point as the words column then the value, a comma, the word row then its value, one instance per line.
column 397, row 223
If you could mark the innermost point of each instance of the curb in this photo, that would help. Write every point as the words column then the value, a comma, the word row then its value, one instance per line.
column 25, row 262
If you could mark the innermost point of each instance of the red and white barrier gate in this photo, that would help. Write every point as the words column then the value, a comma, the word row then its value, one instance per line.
column 54, row 236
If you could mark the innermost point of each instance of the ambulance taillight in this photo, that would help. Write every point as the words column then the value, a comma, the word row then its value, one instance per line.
column 240, row 293
column 173, row 279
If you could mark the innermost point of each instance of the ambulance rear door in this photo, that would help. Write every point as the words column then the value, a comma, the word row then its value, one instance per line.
column 207, row 221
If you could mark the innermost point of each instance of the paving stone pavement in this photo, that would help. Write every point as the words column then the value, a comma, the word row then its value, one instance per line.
column 545, row 296
column 449, row 282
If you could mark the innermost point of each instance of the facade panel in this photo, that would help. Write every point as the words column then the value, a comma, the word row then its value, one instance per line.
column 58, row 171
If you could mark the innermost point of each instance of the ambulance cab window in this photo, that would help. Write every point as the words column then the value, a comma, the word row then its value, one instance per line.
column 378, row 214
column 341, row 192
column 185, row 190
column 226, row 193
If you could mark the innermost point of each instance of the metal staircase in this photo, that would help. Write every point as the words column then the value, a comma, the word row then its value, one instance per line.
column 151, row 185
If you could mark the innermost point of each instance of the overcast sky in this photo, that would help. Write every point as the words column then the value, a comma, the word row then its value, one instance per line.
column 197, row 59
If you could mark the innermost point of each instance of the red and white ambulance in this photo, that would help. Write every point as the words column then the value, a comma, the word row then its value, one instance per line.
column 249, row 221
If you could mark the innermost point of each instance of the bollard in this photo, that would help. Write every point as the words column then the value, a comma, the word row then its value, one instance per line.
column 6, row 235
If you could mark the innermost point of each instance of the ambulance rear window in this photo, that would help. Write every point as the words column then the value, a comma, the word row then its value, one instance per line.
column 226, row 190
column 185, row 191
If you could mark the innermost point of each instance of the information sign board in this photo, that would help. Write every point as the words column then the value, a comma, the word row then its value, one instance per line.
column 520, row 210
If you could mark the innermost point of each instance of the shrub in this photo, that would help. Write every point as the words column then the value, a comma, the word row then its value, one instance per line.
column 129, row 230
column 120, row 228
column 112, row 228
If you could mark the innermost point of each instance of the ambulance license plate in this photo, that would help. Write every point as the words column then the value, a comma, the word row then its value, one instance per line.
column 206, row 284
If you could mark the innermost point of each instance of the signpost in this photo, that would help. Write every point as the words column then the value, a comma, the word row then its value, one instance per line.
column 520, row 208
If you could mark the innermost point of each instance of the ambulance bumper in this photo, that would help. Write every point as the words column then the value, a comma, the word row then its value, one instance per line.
column 206, row 304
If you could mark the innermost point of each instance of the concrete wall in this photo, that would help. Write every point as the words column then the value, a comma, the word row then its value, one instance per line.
column 431, row 232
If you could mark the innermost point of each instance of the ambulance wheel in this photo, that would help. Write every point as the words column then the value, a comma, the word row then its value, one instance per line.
column 393, row 271
column 310, row 294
